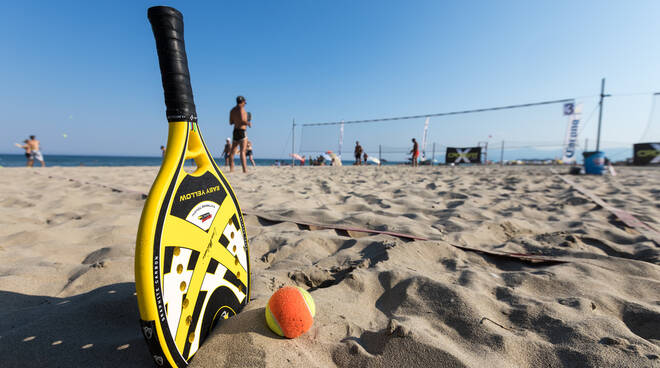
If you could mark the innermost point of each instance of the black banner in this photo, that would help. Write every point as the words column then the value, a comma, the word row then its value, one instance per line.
column 646, row 153
column 463, row 155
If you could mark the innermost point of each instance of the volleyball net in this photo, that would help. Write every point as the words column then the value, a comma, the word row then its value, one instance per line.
column 534, row 130
column 549, row 130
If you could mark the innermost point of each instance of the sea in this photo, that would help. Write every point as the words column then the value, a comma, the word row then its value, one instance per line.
column 12, row 160
column 75, row 160
column 17, row 160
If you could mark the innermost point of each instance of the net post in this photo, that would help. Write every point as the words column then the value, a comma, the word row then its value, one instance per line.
column 293, row 140
column 502, row 155
column 486, row 154
column 433, row 155
column 379, row 154
column 600, row 111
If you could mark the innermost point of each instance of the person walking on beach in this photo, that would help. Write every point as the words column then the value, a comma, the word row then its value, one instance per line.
column 27, row 150
column 358, row 153
column 226, row 154
column 249, row 153
column 415, row 152
column 364, row 158
column 239, row 119
column 35, row 153
column 162, row 150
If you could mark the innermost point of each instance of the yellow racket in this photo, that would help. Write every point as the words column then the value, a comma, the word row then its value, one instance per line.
column 191, row 258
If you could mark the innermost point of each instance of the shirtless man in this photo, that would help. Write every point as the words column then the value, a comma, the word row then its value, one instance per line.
column 358, row 153
column 249, row 153
column 239, row 119
column 27, row 150
column 227, row 152
column 35, row 153
column 415, row 152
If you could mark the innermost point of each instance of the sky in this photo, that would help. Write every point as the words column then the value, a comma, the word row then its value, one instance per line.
column 89, row 70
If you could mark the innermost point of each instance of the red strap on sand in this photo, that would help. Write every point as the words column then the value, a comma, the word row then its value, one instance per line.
column 272, row 218
column 625, row 216
column 532, row 258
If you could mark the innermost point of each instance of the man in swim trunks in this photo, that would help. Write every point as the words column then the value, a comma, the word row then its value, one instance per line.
column 358, row 153
column 27, row 150
column 35, row 153
column 249, row 153
column 239, row 119
column 415, row 152
column 227, row 152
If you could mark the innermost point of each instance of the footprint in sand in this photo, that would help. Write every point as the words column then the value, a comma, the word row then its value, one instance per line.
column 61, row 218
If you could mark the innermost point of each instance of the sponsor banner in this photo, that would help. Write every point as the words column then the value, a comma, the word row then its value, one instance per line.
column 571, row 140
column 646, row 153
column 426, row 131
column 570, row 143
column 341, row 138
column 463, row 155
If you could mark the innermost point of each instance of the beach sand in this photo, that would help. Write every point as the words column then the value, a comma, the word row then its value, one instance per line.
column 67, row 292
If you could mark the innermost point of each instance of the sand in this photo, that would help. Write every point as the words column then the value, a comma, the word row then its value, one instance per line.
column 67, row 292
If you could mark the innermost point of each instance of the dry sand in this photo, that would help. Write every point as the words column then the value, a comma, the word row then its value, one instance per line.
column 67, row 237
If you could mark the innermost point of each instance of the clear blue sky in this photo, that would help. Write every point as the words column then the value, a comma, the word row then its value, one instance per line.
column 89, row 69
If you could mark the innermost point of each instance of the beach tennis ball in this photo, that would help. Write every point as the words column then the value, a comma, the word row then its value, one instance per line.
column 290, row 311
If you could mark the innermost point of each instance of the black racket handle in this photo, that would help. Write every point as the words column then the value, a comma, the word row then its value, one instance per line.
column 167, row 25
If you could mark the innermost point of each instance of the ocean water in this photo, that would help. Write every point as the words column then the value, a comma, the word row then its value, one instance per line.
column 17, row 160
column 7, row 160
column 71, row 160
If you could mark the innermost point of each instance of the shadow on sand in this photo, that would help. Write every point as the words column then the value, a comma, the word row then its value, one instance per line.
column 96, row 329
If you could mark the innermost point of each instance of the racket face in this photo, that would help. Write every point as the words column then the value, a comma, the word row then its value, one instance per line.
column 192, row 261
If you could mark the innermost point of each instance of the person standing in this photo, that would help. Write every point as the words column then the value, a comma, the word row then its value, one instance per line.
column 27, row 150
column 364, row 158
column 35, row 152
column 358, row 153
column 415, row 152
column 162, row 150
column 239, row 119
column 226, row 154
column 249, row 153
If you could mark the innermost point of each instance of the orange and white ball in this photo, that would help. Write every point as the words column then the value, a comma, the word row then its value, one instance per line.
column 290, row 311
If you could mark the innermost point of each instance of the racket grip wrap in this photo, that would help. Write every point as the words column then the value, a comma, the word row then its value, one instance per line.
column 167, row 25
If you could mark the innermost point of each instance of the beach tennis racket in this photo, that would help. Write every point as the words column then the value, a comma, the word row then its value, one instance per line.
column 249, row 116
column 191, row 258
